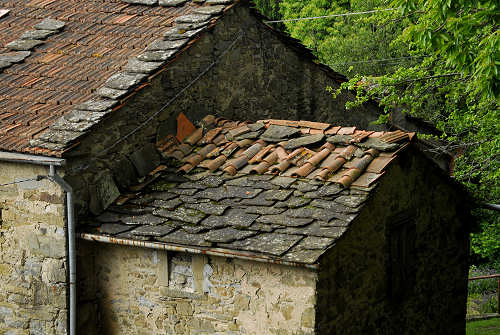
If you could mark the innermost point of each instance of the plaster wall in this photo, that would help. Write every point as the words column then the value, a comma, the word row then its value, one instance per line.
column 127, row 290
column 376, row 282
column 32, row 253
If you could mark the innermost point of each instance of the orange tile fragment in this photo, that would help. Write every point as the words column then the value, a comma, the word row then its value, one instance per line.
column 184, row 127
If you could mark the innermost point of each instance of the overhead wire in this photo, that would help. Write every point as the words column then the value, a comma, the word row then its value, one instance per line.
column 37, row 178
column 333, row 15
column 165, row 106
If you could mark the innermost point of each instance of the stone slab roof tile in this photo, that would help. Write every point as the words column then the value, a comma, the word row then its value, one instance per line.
column 276, row 215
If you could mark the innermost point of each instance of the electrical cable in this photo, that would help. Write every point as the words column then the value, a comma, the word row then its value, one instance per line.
column 333, row 15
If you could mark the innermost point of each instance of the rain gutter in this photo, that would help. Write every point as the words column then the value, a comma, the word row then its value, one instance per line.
column 205, row 251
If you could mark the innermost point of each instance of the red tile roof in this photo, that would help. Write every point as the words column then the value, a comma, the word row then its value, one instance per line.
column 97, row 41
column 343, row 155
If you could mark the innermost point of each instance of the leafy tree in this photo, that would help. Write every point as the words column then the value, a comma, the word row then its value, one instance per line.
column 352, row 44
column 445, row 68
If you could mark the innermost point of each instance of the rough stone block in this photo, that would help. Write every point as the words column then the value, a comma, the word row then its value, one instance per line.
column 15, row 56
column 50, row 24
column 37, row 34
column 23, row 45
column 138, row 66
column 53, row 271
column 124, row 81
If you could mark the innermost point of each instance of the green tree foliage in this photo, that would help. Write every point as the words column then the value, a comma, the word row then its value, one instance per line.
column 445, row 68
column 457, row 87
column 349, row 44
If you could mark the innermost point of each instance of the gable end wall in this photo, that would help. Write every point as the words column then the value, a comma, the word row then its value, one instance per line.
column 260, row 77
column 354, row 290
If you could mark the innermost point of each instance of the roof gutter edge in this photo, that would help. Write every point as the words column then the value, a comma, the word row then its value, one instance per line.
column 205, row 251
column 31, row 159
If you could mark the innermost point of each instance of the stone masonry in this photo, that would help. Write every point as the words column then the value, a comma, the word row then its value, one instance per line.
column 127, row 290
column 33, row 253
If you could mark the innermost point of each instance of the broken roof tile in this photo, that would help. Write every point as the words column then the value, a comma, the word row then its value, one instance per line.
column 295, row 219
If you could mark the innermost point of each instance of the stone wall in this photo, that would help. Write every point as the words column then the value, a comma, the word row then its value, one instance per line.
column 402, row 268
column 33, row 253
column 128, row 290
column 261, row 76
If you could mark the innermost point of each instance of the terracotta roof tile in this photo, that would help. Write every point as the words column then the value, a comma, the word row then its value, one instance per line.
column 237, row 195
column 96, row 42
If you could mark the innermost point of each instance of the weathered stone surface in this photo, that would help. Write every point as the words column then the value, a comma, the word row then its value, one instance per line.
column 63, row 124
column 263, row 210
column 172, row 3
column 375, row 143
column 293, row 202
column 219, row 193
column 279, row 133
column 50, row 24
column 124, row 81
column 162, row 45
column 247, row 181
column 163, row 195
column 277, row 194
column 37, row 34
column 284, row 182
column 329, row 190
column 208, row 208
column 181, row 214
column 212, row 181
column 97, row 105
column 305, row 186
column 303, row 255
column 139, row 66
column 352, row 201
column 282, row 220
column 15, row 56
column 167, row 204
column 340, row 139
column 304, row 141
column 23, row 45
column 218, row 2
column 156, row 56
column 270, row 243
column 310, row 212
column 4, row 64
column 142, row 2
column 316, row 243
column 334, row 206
column 114, row 228
column 194, row 229
column 316, row 229
column 60, row 136
column 110, row 93
column 179, row 33
column 227, row 235
column 147, row 219
column 193, row 18
column 146, row 159
column 182, row 237
column 211, row 10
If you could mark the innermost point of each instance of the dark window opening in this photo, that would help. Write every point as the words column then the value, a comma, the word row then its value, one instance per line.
column 402, row 257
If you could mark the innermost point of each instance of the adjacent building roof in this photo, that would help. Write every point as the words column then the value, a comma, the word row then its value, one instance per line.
column 66, row 64
column 283, row 190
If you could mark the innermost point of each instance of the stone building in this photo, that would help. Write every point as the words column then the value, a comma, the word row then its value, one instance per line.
column 94, row 98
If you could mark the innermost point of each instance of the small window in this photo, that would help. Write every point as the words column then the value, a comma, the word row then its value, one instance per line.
column 402, row 257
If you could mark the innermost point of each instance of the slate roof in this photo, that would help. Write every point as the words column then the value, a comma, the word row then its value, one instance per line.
column 66, row 64
column 279, row 189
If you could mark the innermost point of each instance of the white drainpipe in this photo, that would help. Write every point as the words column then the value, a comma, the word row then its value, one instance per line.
column 71, row 246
